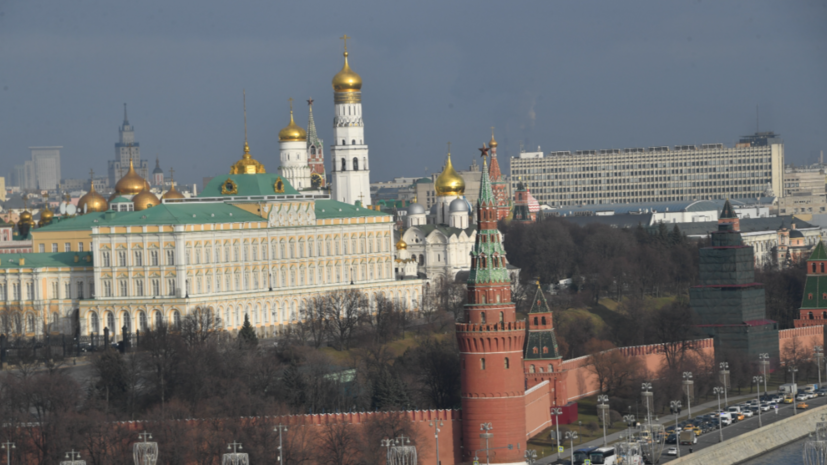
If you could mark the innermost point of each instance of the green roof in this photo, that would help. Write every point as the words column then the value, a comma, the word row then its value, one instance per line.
column 539, row 305
column 74, row 223
column 727, row 211
column 44, row 260
column 248, row 185
column 163, row 214
column 327, row 209
column 818, row 252
column 120, row 199
column 424, row 180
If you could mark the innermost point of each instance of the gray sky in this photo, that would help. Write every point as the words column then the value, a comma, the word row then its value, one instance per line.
column 563, row 74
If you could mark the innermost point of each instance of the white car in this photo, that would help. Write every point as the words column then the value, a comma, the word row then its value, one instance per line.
column 747, row 413
column 765, row 407
column 672, row 451
column 802, row 397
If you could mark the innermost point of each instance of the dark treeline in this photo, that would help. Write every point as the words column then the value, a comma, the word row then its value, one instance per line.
column 605, row 261
column 196, row 371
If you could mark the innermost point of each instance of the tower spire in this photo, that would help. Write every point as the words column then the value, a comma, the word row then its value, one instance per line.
column 312, row 135
column 125, row 118
column 244, row 103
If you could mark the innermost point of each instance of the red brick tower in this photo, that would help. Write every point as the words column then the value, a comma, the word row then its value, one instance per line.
column 498, row 186
column 315, row 151
column 813, row 310
column 491, row 346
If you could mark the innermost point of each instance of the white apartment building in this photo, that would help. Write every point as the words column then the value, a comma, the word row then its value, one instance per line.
column 753, row 168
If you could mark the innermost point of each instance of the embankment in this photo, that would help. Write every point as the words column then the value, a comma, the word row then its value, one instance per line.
column 756, row 443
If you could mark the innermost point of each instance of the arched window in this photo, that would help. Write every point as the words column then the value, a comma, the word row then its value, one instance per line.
column 502, row 316
column 482, row 317
column 544, row 320
column 550, row 368
column 344, row 142
column 127, row 322
column 506, row 363
column 159, row 320
column 535, row 321
column 344, row 164
column 142, row 321
column 353, row 142
column 482, row 363
column 545, row 349
column 313, row 150
column 355, row 164
column 535, row 351
column 95, row 324
column 810, row 315
column 531, row 369
column 176, row 319
column 110, row 321
column 30, row 323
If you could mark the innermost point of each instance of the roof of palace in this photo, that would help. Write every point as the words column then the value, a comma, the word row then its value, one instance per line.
column 248, row 184
column 45, row 260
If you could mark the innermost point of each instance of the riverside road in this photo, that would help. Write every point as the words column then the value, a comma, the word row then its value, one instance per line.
column 709, row 439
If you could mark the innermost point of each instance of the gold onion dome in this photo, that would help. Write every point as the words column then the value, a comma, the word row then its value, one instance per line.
column 173, row 193
column 144, row 200
column 46, row 216
column 292, row 132
column 131, row 183
column 93, row 202
column 492, row 143
column 347, row 80
column 247, row 165
column 449, row 182
column 25, row 217
column 401, row 244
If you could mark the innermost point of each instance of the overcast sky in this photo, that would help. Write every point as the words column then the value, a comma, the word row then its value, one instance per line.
column 561, row 74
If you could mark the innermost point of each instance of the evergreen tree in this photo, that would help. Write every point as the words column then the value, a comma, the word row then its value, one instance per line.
column 676, row 237
column 247, row 334
column 294, row 386
column 663, row 233
column 388, row 391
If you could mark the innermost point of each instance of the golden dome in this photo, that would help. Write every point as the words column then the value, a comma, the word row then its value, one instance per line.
column 247, row 165
column 292, row 132
column 132, row 183
column 93, row 202
column 144, row 200
column 492, row 143
column 449, row 182
column 401, row 245
column 347, row 80
column 173, row 193
column 26, row 217
column 46, row 216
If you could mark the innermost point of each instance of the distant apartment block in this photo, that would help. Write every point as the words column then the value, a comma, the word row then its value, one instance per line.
column 753, row 168
column 41, row 172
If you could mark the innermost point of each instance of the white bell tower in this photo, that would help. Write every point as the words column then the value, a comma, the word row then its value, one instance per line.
column 349, row 153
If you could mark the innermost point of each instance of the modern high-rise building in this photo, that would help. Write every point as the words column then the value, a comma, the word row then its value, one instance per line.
column 753, row 168
column 125, row 148
column 46, row 164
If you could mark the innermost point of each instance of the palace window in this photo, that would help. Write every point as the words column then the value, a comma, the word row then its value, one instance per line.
column 139, row 287
column 107, row 288
column 124, row 287
column 482, row 363
column 506, row 363
column 171, row 286
column 122, row 258
column 156, row 287
column 170, row 257
column 153, row 258
column 138, row 258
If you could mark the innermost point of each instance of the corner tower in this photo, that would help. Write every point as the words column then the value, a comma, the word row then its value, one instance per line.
column 349, row 153
column 813, row 310
column 491, row 346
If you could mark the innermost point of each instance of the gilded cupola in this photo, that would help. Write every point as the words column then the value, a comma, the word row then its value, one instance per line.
column 347, row 80
column 401, row 244
column 449, row 182
column 172, row 193
column 144, row 200
column 247, row 164
column 292, row 132
column 46, row 215
column 92, row 201
column 131, row 184
column 492, row 143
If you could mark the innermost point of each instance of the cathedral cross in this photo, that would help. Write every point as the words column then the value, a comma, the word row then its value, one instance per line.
column 345, row 38
column 291, row 104
column 171, row 174
column 449, row 148
column 361, row 197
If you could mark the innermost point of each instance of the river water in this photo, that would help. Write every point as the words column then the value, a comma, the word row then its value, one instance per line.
column 789, row 454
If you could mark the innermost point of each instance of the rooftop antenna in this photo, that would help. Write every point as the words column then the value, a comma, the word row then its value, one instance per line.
column 244, row 100
column 757, row 120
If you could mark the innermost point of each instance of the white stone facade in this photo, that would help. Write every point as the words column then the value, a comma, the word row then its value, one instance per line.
column 349, row 154
column 294, row 164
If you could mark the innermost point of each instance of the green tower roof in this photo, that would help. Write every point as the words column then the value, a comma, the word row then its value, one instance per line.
column 728, row 211
column 818, row 252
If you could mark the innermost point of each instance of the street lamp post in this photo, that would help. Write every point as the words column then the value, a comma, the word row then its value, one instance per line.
column 557, row 412
column 675, row 407
column 793, row 369
column 765, row 362
column 571, row 436
column 437, row 424
column 687, row 382
column 725, row 374
column 486, row 427
column 647, row 394
column 757, row 380
column 603, row 406
column 718, row 390
column 819, row 355
column 8, row 446
column 281, row 429
column 530, row 456
column 73, row 456
column 630, row 420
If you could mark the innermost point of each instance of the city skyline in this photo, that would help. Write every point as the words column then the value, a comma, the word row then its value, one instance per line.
column 431, row 80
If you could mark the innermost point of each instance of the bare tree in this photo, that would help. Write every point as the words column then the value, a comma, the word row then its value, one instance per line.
column 338, row 444
column 614, row 370
column 200, row 326
column 313, row 324
column 344, row 309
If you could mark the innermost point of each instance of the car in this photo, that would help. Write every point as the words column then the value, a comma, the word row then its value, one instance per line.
column 672, row 451
column 738, row 417
column 801, row 405
column 765, row 407
column 802, row 397
column 822, row 392
column 671, row 439
column 747, row 413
